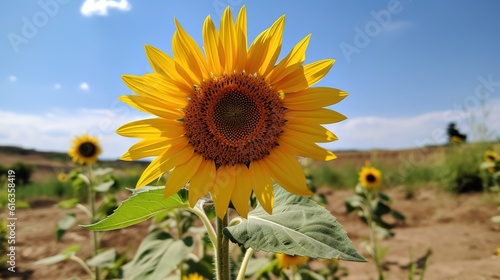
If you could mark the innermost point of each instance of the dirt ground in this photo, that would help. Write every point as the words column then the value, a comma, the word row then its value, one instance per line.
column 456, row 228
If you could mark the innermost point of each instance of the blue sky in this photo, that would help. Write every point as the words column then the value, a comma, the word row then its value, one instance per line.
column 410, row 67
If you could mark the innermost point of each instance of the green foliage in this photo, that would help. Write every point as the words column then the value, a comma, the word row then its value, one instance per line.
column 158, row 255
column 371, row 207
column 64, row 224
column 3, row 243
column 325, row 175
column 298, row 226
column 51, row 188
column 23, row 172
column 460, row 172
column 142, row 205
column 66, row 254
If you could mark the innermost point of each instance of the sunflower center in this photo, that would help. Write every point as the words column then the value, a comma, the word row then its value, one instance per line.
column 236, row 118
column 371, row 178
column 87, row 149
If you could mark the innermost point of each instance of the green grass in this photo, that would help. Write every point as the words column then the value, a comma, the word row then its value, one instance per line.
column 53, row 188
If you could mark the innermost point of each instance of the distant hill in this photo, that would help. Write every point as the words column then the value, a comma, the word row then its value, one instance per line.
column 49, row 163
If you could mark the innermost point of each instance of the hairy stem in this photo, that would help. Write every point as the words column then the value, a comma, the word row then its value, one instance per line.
column 95, row 240
column 222, row 250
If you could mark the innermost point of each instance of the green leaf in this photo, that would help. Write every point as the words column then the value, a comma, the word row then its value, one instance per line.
column 495, row 219
column 142, row 205
column 157, row 256
column 104, row 187
column 64, row 255
column 487, row 164
column 298, row 226
column 67, row 204
column 398, row 216
column 84, row 178
column 103, row 171
column 105, row 259
column 64, row 224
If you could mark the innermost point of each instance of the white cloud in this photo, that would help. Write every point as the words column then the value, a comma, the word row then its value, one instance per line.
column 84, row 86
column 57, row 86
column 12, row 78
column 54, row 130
column 100, row 7
column 416, row 131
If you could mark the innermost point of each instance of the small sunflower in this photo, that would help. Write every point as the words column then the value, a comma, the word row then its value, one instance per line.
column 62, row 177
column 287, row 261
column 85, row 149
column 193, row 276
column 370, row 177
column 231, row 119
column 491, row 156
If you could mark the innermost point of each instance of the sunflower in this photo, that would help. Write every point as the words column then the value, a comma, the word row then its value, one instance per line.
column 232, row 119
column 193, row 276
column 370, row 177
column 287, row 261
column 85, row 149
column 491, row 156
column 61, row 177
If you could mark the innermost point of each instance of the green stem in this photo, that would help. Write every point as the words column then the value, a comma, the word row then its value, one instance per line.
column 198, row 210
column 222, row 250
column 373, row 235
column 95, row 239
column 244, row 264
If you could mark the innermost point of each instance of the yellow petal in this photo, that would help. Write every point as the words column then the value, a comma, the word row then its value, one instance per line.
column 313, row 98
column 152, row 147
column 318, row 116
column 265, row 49
column 286, row 171
column 229, row 41
column 241, row 36
column 152, row 128
column 305, row 76
column 242, row 190
column 162, row 63
column 152, row 106
column 292, row 62
column 155, row 86
column 306, row 149
column 223, row 189
column 164, row 163
column 213, row 47
column 184, row 64
column 262, row 184
column 311, row 133
column 193, row 57
column 203, row 182
column 165, row 86
column 182, row 174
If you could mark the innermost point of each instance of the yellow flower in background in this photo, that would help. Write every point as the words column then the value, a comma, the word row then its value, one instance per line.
column 370, row 177
column 231, row 119
column 287, row 261
column 491, row 156
column 62, row 177
column 456, row 139
column 85, row 149
column 193, row 276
